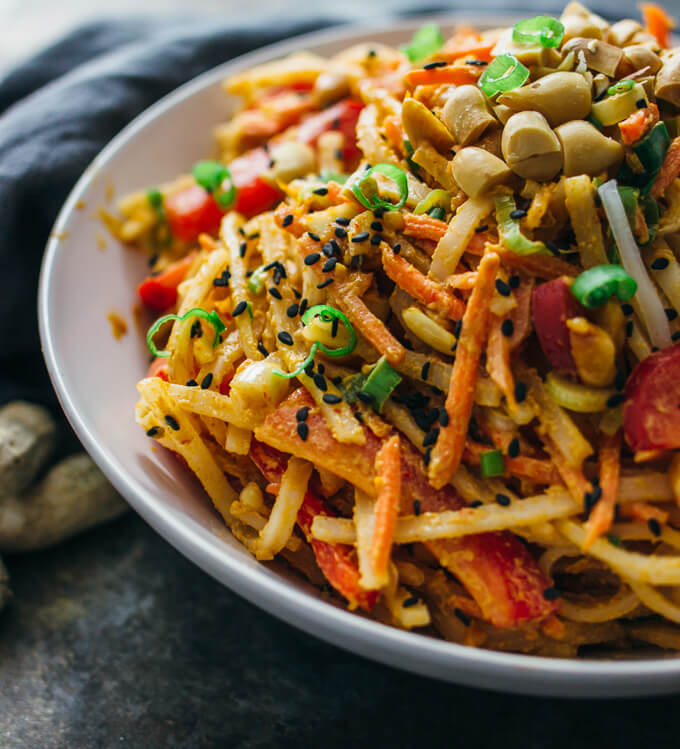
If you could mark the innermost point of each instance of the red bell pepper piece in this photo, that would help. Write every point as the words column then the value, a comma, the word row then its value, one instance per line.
column 342, row 117
column 651, row 417
column 254, row 194
column 336, row 561
column 192, row 211
column 552, row 304
column 160, row 292
column 496, row 568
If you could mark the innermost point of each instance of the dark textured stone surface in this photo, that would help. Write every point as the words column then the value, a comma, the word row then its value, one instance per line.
column 114, row 639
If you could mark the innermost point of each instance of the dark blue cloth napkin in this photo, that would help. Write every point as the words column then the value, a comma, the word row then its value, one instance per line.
column 59, row 108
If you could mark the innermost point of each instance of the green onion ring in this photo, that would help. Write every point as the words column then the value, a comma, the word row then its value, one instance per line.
column 211, row 317
column 595, row 286
column 211, row 176
column 161, row 236
column 397, row 175
column 327, row 314
column 504, row 73
column 620, row 87
column 544, row 30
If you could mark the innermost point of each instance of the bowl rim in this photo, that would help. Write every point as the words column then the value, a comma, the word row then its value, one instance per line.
column 528, row 674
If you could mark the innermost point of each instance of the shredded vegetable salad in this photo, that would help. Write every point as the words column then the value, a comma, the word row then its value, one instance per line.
column 414, row 328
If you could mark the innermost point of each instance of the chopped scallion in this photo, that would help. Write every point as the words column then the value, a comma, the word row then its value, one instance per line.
column 210, row 317
column 373, row 201
column 491, row 463
column 380, row 383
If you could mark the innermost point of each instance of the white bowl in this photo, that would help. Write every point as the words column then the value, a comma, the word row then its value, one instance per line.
column 95, row 375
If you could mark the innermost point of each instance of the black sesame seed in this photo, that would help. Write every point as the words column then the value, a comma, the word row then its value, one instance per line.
column 425, row 370
column 334, row 327
column 660, row 263
column 153, row 431
column 475, row 503
column 615, row 400
column 513, row 448
column 342, row 221
column 302, row 413
column 502, row 288
column 627, row 309
column 365, row 397
column 303, row 306
column 464, row 618
column 191, row 383
column 427, row 456
column 320, row 191
column 309, row 369
column 481, row 228
column 435, row 64
column 620, row 380
column 551, row 593
column 313, row 237
column 507, row 328
column 239, row 308
column 285, row 337
column 171, row 421
column 671, row 314
column 153, row 260
column 242, row 249
column 443, row 416
column 293, row 310
column 520, row 392
column 327, row 250
column 358, row 416
column 458, row 328
column 596, row 494
column 454, row 347
column 518, row 213
column 502, row 499
column 320, row 368
column 332, row 398
column 361, row 237
column 320, row 382
column 676, row 336
column 654, row 527
column 379, row 212
column 412, row 601
column 206, row 382
column 641, row 104
column 376, row 239
column 275, row 292
column 196, row 329
column 356, row 262
column 601, row 95
column 629, row 328
column 513, row 281
column 329, row 265
column 287, row 220
column 325, row 283
column 552, row 247
column 302, row 430
column 431, row 437
column 376, row 226
column 262, row 349
column 416, row 507
column 337, row 381
column 312, row 258
column 396, row 248
column 340, row 233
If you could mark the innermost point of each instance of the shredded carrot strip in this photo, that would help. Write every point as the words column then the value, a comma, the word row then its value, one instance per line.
column 657, row 22
column 638, row 123
column 426, row 290
column 644, row 512
column 448, row 450
column 370, row 326
column 669, row 170
column 295, row 227
column 573, row 477
column 602, row 516
column 535, row 469
column 393, row 131
column 272, row 489
column 543, row 266
column 424, row 226
column 336, row 193
column 646, row 456
column 498, row 361
column 473, row 50
column 453, row 75
column 388, row 487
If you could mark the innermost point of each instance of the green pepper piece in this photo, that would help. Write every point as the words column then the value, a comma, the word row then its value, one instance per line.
column 544, row 30
column 651, row 150
column 380, row 383
column 509, row 231
column 595, row 286
column 504, row 73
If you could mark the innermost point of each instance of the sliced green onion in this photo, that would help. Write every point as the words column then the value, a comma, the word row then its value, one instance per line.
column 629, row 198
column 491, row 463
column 415, row 168
column 327, row 314
column 210, row 317
column 435, row 199
column 380, row 383
column 161, row 236
column 620, row 87
column 211, row 176
column 437, row 212
column 257, row 280
column 397, row 175
column 576, row 397
column 425, row 42
column 615, row 540
column 509, row 229
column 504, row 73
column 595, row 286
column 543, row 30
